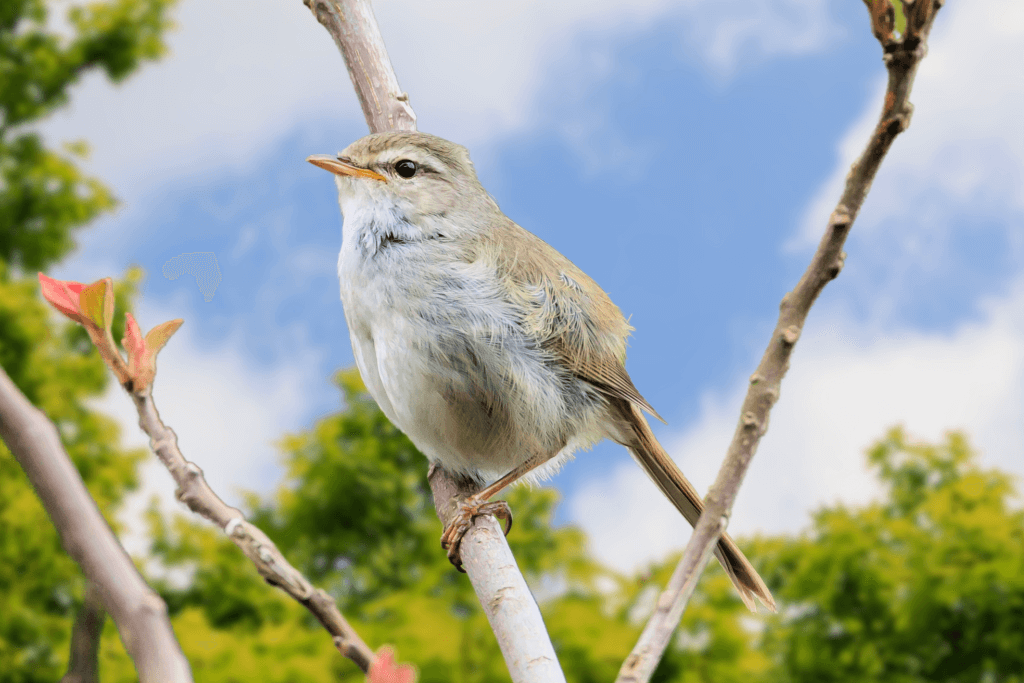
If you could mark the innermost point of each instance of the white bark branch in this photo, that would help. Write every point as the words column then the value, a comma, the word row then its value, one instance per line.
column 500, row 587
column 138, row 612
column 902, row 54
column 510, row 607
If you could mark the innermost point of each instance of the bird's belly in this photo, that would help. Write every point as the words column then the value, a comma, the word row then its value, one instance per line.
column 455, row 420
column 412, row 369
column 452, row 371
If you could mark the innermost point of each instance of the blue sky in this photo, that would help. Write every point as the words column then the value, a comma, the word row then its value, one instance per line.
column 684, row 154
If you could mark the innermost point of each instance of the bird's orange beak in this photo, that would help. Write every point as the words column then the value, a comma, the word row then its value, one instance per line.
column 342, row 166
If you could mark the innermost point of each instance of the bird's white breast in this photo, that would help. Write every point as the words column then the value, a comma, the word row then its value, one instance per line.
column 440, row 350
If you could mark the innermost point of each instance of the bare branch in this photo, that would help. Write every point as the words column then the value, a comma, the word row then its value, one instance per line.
column 487, row 559
column 500, row 587
column 194, row 492
column 83, row 664
column 902, row 54
column 93, row 307
column 138, row 612
column 352, row 25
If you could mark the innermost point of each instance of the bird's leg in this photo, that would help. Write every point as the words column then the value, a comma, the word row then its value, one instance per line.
column 477, row 505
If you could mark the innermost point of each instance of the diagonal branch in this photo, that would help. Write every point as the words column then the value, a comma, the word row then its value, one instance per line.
column 901, row 54
column 354, row 28
column 510, row 607
column 92, row 306
column 138, row 612
column 194, row 492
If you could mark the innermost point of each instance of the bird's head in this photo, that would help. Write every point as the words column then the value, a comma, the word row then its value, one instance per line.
column 421, row 179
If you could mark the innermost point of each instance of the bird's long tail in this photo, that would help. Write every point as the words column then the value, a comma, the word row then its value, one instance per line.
column 646, row 450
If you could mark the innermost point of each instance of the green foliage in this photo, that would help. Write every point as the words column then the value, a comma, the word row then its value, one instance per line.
column 923, row 586
column 355, row 497
column 927, row 585
column 43, row 194
column 355, row 512
column 44, row 197
column 39, row 584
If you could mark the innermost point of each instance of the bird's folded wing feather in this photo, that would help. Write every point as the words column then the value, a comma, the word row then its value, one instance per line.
column 568, row 313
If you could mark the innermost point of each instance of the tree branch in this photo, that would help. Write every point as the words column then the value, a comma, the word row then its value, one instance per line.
column 83, row 664
column 138, row 612
column 500, row 587
column 194, row 492
column 510, row 607
column 92, row 306
column 901, row 55
column 352, row 25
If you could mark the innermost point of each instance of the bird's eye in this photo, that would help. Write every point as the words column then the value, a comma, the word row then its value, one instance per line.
column 406, row 168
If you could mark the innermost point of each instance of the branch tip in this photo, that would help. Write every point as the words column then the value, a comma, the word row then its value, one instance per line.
column 902, row 55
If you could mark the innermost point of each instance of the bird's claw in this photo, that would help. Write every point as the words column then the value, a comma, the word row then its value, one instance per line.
column 451, row 539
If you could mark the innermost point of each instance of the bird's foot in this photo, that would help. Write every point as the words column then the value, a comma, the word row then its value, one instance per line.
column 451, row 539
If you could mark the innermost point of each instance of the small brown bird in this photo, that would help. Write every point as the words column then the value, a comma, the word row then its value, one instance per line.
column 493, row 352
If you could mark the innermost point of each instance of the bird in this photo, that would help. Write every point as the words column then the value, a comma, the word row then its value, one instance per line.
column 488, row 348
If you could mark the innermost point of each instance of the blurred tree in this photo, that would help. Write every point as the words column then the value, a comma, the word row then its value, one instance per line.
column 40, row 585
column 44, row 197
column 355, row 512
column 927, row 585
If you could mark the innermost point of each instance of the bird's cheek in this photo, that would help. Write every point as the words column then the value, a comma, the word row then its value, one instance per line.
column 344, row 184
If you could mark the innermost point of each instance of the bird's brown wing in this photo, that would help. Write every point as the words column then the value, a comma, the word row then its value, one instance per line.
column 568, row 313
column 604, row 372
column 576, row 322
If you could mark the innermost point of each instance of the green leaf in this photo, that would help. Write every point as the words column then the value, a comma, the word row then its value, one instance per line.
column 97, row 303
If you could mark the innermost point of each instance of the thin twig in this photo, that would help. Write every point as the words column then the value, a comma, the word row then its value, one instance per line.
column 138, row 612
column 83, row 662
column 194, row 492
column 93, row 307
column 901, row 55
column 510, row 607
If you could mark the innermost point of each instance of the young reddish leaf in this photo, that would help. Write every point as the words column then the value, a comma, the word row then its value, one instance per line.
column 132, row 342
column 108, row 304
column 96, row 300
column 63, row 295
column 92, row 307
column 385, row 670
column 159, row 335
column 142, row 351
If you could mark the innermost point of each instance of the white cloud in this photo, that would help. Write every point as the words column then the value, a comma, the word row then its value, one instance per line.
column 847, row 386
column 964, row 150
column 851, row 380
column 238, row 78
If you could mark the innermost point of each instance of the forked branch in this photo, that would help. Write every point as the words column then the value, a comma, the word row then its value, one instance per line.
column 901, row 54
